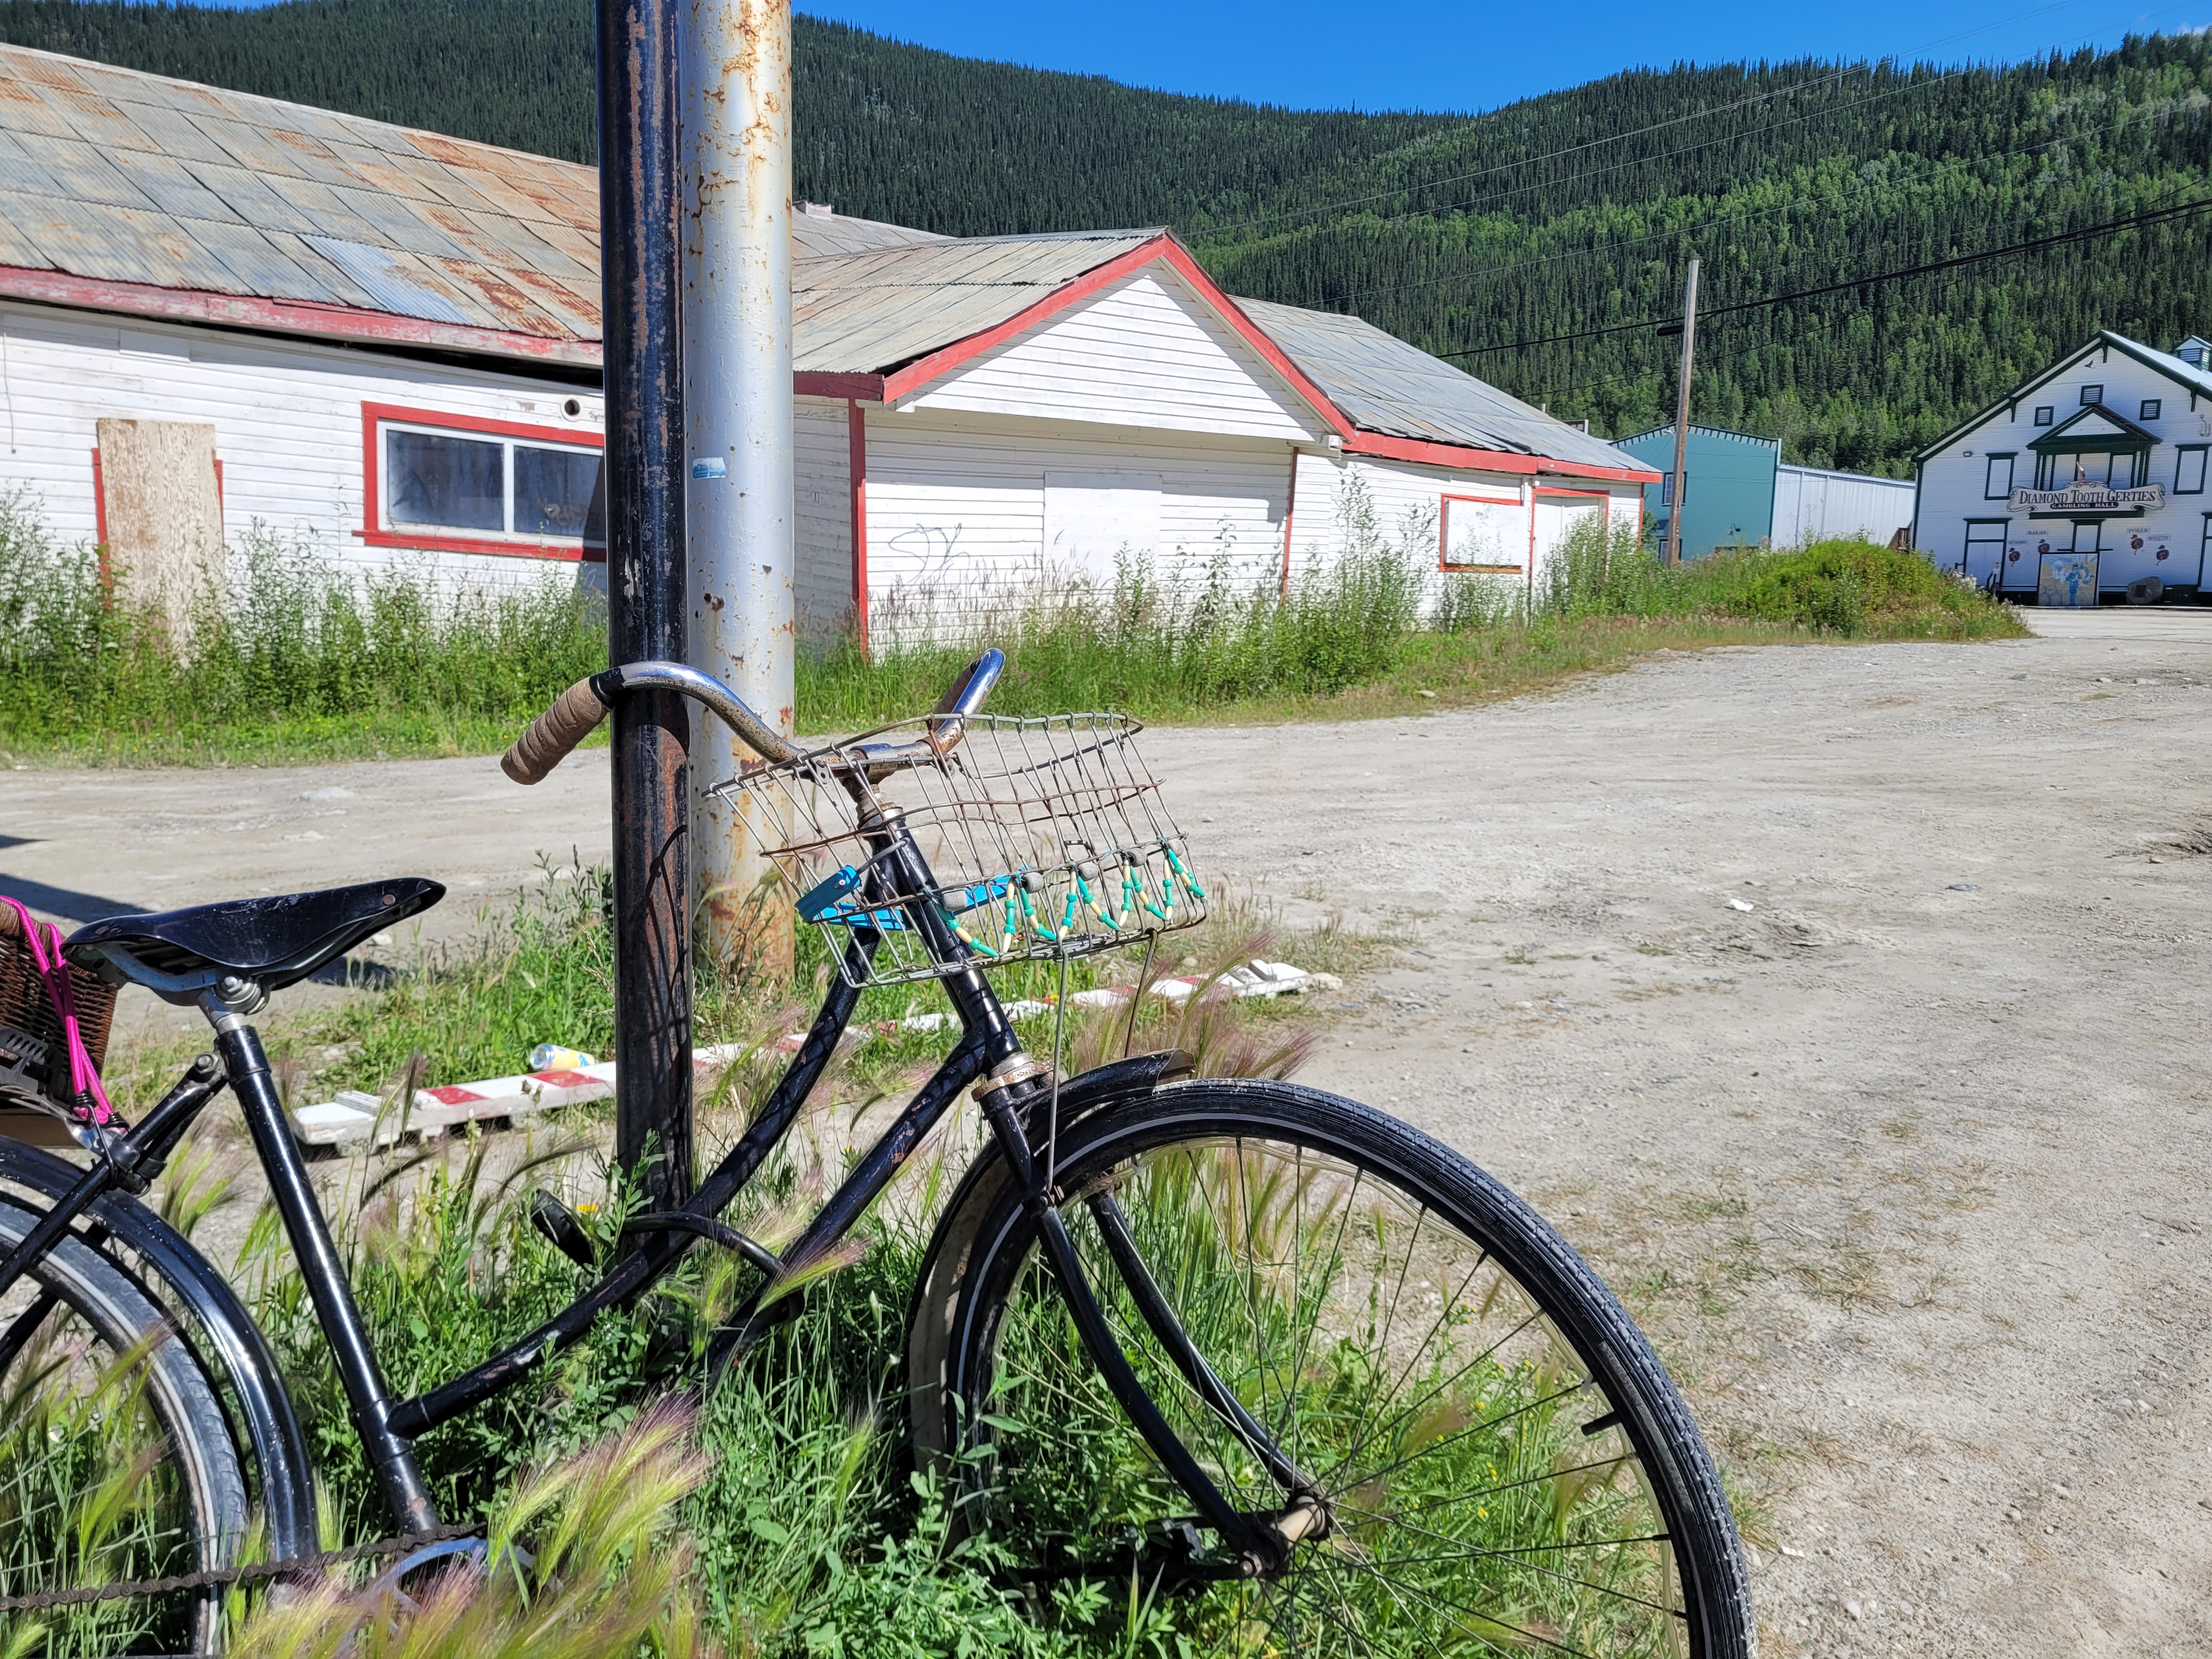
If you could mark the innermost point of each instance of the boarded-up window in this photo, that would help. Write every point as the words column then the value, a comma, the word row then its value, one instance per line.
column 1482, row 533
column 160, row 512
column 1093, row 520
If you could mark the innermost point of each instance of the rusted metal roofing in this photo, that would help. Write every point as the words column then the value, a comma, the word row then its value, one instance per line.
column 117, row 176
column 112, row 176
column 818, row 229
column 1387, row 386
column 872, row 311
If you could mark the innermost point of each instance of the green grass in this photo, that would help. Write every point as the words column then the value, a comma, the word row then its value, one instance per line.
column 285, row 659
column 1360, row 640
column 782, row 1519
column 288, row 661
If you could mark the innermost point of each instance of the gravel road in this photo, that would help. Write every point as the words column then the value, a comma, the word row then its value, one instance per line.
column 1845, row 1005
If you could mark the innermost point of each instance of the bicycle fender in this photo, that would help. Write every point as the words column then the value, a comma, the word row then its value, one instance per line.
column 945, row 1264
column 287, row 1493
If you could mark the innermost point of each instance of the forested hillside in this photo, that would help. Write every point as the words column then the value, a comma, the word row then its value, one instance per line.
column 1557, row 215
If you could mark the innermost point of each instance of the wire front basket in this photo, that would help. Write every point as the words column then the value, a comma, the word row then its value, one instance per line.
column 1045, row 839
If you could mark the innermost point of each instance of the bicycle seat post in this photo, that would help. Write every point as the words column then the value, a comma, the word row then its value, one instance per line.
column 227, row 1004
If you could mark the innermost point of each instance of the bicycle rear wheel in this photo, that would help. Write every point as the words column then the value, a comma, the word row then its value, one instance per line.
column 1503, row 1464
column 116, row 1460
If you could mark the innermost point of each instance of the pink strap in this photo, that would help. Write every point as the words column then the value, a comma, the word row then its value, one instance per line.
column 84, row 1076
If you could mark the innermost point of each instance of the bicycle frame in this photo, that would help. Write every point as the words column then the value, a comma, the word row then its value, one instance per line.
column 988, row 1049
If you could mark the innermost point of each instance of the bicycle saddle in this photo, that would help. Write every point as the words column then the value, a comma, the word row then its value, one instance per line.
column 273, row 942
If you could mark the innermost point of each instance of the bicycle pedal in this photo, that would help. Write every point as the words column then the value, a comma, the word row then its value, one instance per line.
column 560, row 1226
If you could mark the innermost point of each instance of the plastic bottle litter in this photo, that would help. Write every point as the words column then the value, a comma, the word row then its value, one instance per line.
column 552, row 1057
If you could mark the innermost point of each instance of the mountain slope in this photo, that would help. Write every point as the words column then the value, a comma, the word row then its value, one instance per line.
column 1552, row 217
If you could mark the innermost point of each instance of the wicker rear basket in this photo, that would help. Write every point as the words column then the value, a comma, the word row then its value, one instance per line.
column 26, row 1011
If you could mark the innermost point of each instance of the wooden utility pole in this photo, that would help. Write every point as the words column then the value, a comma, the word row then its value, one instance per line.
column 1682, row 410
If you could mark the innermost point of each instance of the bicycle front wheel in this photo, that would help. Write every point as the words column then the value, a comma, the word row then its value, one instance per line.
column 116, row 1461
column 1501, row 1463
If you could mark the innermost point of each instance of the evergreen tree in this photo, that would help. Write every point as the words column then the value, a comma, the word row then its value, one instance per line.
column 1556, row 214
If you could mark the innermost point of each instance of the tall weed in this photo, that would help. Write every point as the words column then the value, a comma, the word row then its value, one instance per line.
column 282, row 644
column 1146, row 644
column 286, row 656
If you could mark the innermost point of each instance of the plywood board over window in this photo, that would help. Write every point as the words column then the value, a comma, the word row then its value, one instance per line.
column 1093, row 520
column 161, row 513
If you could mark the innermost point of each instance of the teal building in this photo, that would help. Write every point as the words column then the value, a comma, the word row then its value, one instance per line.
column 1731, row 491
column 1741, row 495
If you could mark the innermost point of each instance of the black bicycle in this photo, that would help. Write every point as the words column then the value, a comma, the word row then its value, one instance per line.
column 1265, row 1349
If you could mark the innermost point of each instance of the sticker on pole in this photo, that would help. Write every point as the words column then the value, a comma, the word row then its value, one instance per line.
column 713, row 467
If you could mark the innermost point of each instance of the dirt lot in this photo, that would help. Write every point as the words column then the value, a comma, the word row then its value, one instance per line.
column 1846, row 1005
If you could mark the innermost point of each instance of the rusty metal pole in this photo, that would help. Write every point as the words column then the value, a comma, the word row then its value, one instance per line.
column 638, row 197
column 737, row 413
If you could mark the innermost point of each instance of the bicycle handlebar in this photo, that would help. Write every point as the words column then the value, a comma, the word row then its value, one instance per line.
column 570, row 718
column 576, row 713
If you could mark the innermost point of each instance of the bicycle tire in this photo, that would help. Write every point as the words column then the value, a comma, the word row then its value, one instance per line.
column 80, row 1330
column 1568, row 1401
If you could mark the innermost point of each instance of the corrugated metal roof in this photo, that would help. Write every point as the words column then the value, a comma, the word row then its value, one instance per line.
column 113, row 175
column 870, row 312
column 1668, row 433
column 1387, row 386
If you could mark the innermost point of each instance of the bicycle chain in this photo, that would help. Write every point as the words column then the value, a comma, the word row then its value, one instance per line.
column 214, row 1577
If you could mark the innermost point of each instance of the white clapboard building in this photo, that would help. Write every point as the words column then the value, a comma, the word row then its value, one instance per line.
column 220, row 312
column 2084, row 483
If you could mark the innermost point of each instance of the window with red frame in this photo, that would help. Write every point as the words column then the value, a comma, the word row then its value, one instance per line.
column 474, row 485
column 1485, row 534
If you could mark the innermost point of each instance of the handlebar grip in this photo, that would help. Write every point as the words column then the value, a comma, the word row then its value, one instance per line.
column 574, row 715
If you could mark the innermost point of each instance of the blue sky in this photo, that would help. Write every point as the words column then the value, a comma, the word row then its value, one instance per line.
column 1432, row 54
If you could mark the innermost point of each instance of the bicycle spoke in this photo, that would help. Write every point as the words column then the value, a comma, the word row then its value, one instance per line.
column 1443, row 1314
column 1465, row 1513
column 1526, row 1549
column 1509, row 1486
column 1435, row 1446
column 1476, row 1553
column 1408, row 1414
column 1335, row 1252
column 1517, row 1630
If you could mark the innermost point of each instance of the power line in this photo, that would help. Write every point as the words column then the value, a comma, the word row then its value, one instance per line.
column 1657, row 372
column 1637, row 133
column 1783, row 206
column 1677, row 231
column 1944, row 79
column 2154, row 217
column 1551, row 156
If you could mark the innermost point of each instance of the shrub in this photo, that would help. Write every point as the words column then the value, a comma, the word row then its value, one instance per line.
column 1850, row 589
